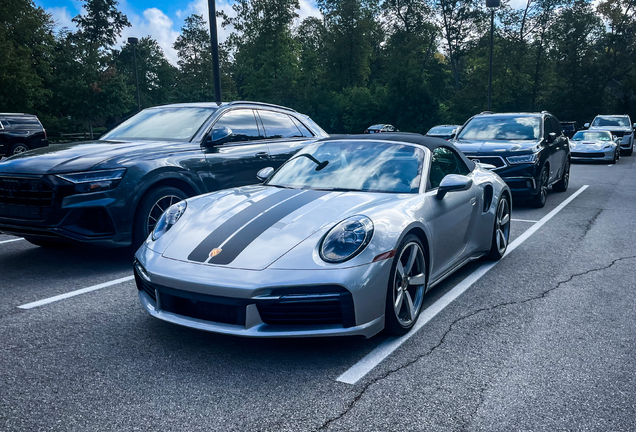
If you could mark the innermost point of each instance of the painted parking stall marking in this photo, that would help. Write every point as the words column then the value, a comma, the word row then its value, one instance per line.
column 75, row 293
column 11, row 241
column 386, row 348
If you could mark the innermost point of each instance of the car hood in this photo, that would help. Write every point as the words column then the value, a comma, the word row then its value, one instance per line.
column 77, row 156
column 611, row 128
column 485, row 147
column 251, row 228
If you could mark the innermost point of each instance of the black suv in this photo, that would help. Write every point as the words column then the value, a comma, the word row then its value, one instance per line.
column 112, row 191
column 20, row 133
column 528, row 150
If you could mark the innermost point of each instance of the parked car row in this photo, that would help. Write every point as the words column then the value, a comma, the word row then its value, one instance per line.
column 344, row 235
column 20, row 133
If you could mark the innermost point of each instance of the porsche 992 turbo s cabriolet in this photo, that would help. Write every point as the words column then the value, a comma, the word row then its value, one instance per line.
column 345, row 238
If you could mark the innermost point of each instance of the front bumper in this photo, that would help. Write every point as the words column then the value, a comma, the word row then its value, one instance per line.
column 593, row 155
column 260, row 303
column 41, row 208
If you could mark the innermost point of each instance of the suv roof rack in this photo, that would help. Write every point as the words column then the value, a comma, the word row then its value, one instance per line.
column 487, row 112
column 261, row 103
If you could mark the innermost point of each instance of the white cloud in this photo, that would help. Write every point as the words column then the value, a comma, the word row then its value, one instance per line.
column 62, row 18
column 200, row 7
column 518, row 4
column 156, row 24
column 308, row 8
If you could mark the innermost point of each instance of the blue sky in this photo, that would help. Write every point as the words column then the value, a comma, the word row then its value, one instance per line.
column 161, row 19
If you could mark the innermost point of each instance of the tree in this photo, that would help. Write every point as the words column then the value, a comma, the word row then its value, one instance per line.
column 26, row 44
column 194, row 82
column 157, row 77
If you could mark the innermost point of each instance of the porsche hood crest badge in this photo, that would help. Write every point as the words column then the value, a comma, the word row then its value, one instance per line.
column 215, row 252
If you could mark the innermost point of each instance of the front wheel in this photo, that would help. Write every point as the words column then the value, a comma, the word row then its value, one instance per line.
column 407, row 286
column 562, row 185
column 501, row 230
column 539, row 199
column 150, row 210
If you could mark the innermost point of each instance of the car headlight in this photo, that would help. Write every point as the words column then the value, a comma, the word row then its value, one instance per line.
column 524, row 159
column 94, row 181
column 169, row 218
column 347, row 239
column 572, row 145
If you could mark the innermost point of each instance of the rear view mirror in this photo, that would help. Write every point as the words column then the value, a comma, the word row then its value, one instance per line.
column 453, row 183
column 264, row 174
column 218, row 136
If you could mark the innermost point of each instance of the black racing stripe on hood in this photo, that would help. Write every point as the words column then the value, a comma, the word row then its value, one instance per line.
column 254, row 229
column 202, row 252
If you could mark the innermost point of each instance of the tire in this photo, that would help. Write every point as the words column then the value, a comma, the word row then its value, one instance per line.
column 400, row 318
column 539, row 199
column 18, row 148
column 150, row 209
column 562, row 185
column 616, row 156
column 501, row 230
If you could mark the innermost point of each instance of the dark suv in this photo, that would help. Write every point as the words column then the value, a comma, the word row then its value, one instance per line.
column 528, row 150
column 20, row 133
column 112, row 191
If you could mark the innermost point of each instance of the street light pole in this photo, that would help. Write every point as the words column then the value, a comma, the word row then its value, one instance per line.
column 492, row 4
column 214, row 39
column 134, row 41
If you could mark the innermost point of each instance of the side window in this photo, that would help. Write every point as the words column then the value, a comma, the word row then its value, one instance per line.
column 445, row 161
column 278, row 125
column 243, row 125
column 301, row 127
column 548, row 127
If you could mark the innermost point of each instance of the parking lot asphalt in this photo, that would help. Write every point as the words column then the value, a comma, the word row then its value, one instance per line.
column 544, row 340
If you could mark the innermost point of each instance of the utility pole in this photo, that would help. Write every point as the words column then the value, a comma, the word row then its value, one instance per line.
column 492, row 4
column 214, row 39
column 134, row 41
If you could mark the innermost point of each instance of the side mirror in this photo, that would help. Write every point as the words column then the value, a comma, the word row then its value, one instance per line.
column 219, row 135
column 453, row 183
column 586, row 125
column 634, row 125
column 551, row 137
column 264, row 173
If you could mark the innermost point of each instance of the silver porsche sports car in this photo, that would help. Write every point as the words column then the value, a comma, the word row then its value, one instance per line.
column 345, row 238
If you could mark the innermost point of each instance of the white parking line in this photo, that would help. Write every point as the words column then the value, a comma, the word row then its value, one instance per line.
column 75, row 293
column 523, row 220
column 12, row 240
column 382, row 351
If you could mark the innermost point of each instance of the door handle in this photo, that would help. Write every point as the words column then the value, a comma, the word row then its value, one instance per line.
column 261, row 155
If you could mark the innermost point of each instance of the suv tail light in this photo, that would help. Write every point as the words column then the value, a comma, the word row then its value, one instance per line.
column 45, row 136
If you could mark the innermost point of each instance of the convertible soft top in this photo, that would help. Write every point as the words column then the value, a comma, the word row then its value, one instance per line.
column 412, row 138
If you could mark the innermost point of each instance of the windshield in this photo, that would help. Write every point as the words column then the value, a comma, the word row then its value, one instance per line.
column 366, row 166
column 621, row 121
column 592, row 136
column 493, row 127
column 441, row 130
column 169, row 124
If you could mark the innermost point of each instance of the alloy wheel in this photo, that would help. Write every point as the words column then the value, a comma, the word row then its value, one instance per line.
column 502, row 226
column 566, row 176
column 544, row 184
column 158, row 208
column 409, row 284
column 19, row 149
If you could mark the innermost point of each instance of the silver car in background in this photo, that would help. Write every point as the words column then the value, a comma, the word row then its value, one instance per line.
column 345, row 238
column 620, row 126
column 595, row 146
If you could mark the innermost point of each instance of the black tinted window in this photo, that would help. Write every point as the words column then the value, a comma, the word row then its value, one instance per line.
column 301, row 127
column 24, row 123
column 243, row 125
column 556, row 126
column 445, row 162
column 278, row 125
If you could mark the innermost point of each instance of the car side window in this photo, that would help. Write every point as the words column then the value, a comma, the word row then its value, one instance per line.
column 243, row 125
column 556, row 126
column 547, row 127
column 302, row 128
column 279, row 125
column 445, row 161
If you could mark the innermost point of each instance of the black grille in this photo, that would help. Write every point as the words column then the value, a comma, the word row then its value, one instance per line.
column 308, row 309
column 492, row 160
column 204, row 310
column 588, row 155
column 30, row 199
